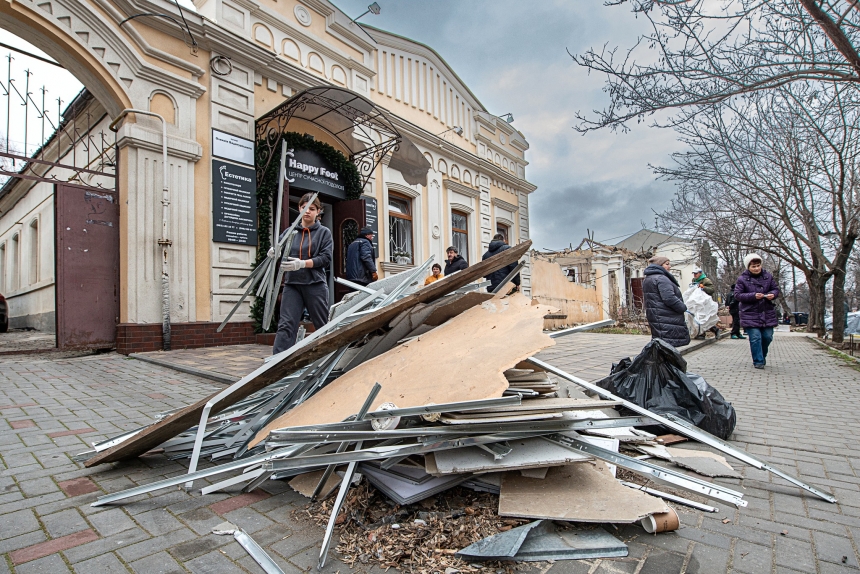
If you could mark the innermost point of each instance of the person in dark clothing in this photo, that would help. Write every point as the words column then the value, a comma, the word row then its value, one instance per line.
column 664, row 306
column 497, row 245
column 361, row 259
column 755, row 290
column 733, row 305
column 305, row 281
column 455, row 261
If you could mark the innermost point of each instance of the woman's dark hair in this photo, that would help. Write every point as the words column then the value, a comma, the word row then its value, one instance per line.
column 436, row 266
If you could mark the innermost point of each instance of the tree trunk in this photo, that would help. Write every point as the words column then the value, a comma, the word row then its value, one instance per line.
column 817, row 298
column 838, row 306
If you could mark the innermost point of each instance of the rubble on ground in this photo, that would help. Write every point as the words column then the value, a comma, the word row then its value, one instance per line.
column 420, row 423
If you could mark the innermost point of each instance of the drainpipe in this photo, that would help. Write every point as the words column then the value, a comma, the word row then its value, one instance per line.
column 163, row 242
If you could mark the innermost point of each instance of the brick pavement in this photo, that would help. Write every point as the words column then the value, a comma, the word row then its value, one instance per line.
column 47, row 525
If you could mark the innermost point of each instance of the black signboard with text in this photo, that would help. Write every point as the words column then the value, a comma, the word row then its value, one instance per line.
column 371, row 219
column 310, row 172
column 234, row 204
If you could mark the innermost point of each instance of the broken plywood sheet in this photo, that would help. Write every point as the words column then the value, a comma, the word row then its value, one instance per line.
column 290, row 360
column 584, row 492
column 525, row 453
column 703, row 462
column 305, row 484
column 474, row 348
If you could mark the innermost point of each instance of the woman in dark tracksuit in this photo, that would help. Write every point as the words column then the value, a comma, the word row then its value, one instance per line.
column 305, row 281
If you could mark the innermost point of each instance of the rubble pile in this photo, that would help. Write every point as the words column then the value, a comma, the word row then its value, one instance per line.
column 420, row 423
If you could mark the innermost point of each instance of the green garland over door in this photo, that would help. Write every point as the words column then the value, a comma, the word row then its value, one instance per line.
column 267, row 187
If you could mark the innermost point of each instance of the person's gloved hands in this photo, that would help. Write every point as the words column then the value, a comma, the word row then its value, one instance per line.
column 271, row 252
column 375, row 276
column 292, row 264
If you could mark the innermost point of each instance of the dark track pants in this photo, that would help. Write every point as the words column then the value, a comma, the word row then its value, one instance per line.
column 294, row 300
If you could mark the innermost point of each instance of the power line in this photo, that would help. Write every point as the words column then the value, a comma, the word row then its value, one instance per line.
column 40, row 58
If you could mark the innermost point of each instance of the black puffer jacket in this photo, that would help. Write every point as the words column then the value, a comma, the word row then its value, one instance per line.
column 456, row 264
column 499, row 275
column 664, row 307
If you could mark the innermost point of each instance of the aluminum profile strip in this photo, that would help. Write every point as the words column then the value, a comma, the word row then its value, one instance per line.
column 582, row 328
column 651, row 471
column 671, row 497
column 176, row 480
column 368, row 402
column 238, row 479
column 684, row 429
column 446, row 408
column 259, row 555
column 377, row 452
column 312, row 436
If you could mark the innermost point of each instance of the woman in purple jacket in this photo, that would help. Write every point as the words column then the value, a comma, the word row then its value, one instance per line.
column 755, row 290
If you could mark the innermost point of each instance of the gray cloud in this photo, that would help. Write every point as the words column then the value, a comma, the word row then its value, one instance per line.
column 612, row 209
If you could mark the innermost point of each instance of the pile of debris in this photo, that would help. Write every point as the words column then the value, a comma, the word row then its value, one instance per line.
column 431, row 401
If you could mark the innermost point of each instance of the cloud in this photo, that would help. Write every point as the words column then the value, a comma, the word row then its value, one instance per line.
column 612, row 209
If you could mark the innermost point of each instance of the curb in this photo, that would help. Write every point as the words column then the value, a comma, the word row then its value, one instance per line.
column 217, row 377
column 704, row 343
column 827, row 347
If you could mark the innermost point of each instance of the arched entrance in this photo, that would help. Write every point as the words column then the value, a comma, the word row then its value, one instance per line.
column 365, row 134
column 91, row 174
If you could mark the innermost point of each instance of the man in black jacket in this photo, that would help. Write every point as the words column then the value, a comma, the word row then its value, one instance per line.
column 361, row 259
column 734, row 310
column 664, row 306
column 455, row 261
column 497, row 245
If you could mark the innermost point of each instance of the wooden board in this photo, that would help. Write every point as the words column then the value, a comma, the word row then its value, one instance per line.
column 305, row 484
column 583, row 492
column 274, row 371
column 461, row 360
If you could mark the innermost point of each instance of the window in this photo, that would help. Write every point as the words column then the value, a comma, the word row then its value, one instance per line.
column 503, row 230
column 400, row 229
column 13, row 264
column 34, row 252
column 460, row 233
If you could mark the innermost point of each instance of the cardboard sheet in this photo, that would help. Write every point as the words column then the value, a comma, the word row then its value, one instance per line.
column 703, row 462
column 473, row 349
column 583, row 492
column 305, row 484
column 525, row 453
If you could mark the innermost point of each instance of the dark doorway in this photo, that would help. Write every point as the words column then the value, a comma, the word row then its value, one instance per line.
column 349, row 218
column 87, row 267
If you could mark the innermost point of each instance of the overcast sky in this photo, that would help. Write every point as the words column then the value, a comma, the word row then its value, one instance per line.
column 512, row 55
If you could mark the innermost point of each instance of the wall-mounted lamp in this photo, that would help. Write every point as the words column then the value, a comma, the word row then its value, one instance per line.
column 374, row 9
column 456, row 129
column 508, row 117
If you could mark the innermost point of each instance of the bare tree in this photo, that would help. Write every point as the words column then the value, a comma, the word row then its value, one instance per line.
column 700, row 52
column 776, row 172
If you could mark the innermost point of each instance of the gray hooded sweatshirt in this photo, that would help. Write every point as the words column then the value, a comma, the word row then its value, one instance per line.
column 315, row 243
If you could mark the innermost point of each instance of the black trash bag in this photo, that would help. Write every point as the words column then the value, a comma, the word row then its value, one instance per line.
column 657, row 380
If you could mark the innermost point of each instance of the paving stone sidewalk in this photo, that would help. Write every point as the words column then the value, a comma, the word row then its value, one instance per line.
column 799, row 413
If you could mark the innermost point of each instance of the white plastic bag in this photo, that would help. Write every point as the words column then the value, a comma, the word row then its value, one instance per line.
column 701, row 312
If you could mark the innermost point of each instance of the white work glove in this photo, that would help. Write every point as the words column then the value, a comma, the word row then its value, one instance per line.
column 271, row 252
column 292, row 264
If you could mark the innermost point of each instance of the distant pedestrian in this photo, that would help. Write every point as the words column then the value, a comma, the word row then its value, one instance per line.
column 497, row 245
column 455, row 261
column 361, row 259
column 664, row 306
column 702, row 282
column 755, row 290
column 733, row 304
column 436, row 274
column 305, row 281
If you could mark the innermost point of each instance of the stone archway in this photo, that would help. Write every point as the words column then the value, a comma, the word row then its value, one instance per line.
column 122, row 67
